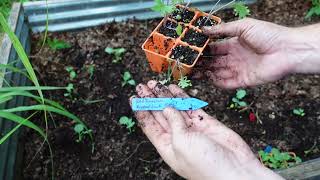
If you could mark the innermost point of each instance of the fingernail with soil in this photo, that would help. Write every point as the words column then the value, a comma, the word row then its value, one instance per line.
column 139, row 89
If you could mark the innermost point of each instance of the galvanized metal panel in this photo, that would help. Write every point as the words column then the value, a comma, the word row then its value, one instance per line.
column 9, row 164
column 77, row 14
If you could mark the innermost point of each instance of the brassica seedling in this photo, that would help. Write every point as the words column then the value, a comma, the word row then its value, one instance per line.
column 315, row 9
column 179, row 29
column 128, row 122
column 70, row 89
column 116, row 52
column 299, row 112
column 72, row 73
column 165, row 9
column 127, row 79
column 237, row 100
column 81, row 131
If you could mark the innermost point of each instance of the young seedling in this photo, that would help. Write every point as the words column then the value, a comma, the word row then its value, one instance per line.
column 241, row 10
column 116, row 52
column 127, row 79
column 237, row 101
column 276, row 160
column 72, row 73
column 70, row 89
column 57, row 44
column 184, row 82
column 179, row 29
column 315, row 9
column 299, row 112
column 91, row 70
column 81, row 131
column 128, row 122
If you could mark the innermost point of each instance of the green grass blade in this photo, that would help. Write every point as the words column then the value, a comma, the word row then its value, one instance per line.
column 47, row 108
column 14, row 69
column 5, row 99
column 4, row 138
column 21, row 53
column 30, row 88
column 23, row 121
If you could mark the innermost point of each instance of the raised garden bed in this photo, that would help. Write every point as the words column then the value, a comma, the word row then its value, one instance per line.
column 123, row 155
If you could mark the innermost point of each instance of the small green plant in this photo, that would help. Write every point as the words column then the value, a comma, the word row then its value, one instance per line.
column 237, row 101
column 116, row 52
column 81, row 131
column 165, row 8
column 57, row 44
column 179, row 29
column 128, row 122
column 91, row 70
column 276, row 159
column 184, row 82
column 299, row 112
column 314, row 10
column 241, row 10
column 69, row 89
column 127, row 79
column 72, row 73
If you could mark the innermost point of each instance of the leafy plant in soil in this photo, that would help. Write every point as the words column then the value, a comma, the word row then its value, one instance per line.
column 127, row 79
column 299, row 112
column 128, row 122
column 72, row 73
column 195, row 38
column 184, row 82
column 314, row 10
column 69, row 89
column 91, row 71
column 165, row 8
column 117, row 53
column 170, row 29
column 81, row 131
column 182, row 15
column 57, row 44
column 276, row 160
column 241, row 10
column 35, row 93
column 237, row 101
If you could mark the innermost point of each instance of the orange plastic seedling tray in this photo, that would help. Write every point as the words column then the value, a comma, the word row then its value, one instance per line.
column 158, row 47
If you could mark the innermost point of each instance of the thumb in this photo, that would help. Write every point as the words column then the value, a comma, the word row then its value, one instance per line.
column 176, row 120
column 231, row 29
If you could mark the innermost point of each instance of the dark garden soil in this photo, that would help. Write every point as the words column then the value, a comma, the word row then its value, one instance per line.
column 184, row 54
column 123, row 155
column 195, row 38
column 169, row 29
column 204, row 21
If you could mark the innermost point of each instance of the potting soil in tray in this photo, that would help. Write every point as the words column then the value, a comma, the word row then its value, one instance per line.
column 184, row 54
column 122, row 155
column 195, row 38
column 182, row 15
column 204, row 21
column 169, row 29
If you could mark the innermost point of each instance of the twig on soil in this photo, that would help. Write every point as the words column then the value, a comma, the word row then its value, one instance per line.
column 120, row 164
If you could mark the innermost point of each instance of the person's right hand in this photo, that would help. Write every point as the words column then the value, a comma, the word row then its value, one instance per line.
column 255, row 54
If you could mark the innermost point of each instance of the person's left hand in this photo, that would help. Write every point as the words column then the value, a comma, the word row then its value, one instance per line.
column 194, row 144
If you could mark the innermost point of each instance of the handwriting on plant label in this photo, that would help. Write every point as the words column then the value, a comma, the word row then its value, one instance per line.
column 153, row 104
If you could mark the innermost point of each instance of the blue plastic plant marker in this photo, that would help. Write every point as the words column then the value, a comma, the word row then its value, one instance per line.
column 159, row 104
column 268, row 149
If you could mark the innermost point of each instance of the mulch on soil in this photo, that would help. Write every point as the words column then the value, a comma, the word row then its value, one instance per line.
column 121, row 155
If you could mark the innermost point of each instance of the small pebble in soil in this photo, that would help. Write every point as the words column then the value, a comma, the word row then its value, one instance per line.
column 169, row 29
column 202, row 21
column 182, row 15
column 184, row 54
column 195, row 38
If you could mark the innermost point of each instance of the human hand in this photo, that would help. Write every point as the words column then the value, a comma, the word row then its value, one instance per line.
column 194, row 144
column 255, row 54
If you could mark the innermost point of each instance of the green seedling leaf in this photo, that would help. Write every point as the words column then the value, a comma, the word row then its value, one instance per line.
column 132, row 82
column 162, row 8
column 299, row 112
column 242, row 103
column 124, row 120
column 91, row 70
column 184, row 82
column 57, row 44
column 126, row 76
column 78, row 128
column 314, row 10
column 241, row 93
column 109, row 50
column 241, row 10
column 116, row 52
column 179, row 30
